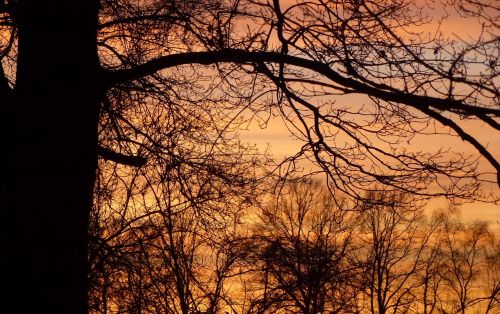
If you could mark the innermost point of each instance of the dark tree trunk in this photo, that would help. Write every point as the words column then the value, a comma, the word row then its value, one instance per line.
column 55, row 115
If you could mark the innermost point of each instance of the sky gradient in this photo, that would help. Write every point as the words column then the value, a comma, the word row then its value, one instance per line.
column 281, row 144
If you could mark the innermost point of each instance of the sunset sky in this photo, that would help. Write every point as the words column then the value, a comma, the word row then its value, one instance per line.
column 276, row 137
column 280, row 143
column 250, row 156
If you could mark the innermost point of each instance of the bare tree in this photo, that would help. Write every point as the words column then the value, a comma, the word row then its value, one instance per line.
column 164, row 234
column 430, row 296
column 303, row 257
column 470, row 268
column 491, row 278
column 395, row 239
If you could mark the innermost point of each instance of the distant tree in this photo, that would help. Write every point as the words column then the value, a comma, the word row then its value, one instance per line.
column 395, row 239
column 303, row 255
column 472, row 283
column 491, row 278
column 68, row 66
column 429, row 295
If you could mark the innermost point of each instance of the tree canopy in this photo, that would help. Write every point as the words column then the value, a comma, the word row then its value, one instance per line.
column 298, row 59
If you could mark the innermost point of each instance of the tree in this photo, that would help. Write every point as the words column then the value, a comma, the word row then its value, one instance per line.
column 164, row 236
column 492, row 277
column 470, row 260
column 304, row 253
column 66, row 66
column 431, row 277
column 395, row 239
column 52, row 110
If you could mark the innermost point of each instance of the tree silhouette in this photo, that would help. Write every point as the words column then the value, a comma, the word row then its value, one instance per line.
column 164, row 235
column 74, row 72
column 305, row 253
column 396, row 240
column 470, row 259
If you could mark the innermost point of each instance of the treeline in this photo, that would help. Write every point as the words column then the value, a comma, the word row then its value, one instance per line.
column 219, row 248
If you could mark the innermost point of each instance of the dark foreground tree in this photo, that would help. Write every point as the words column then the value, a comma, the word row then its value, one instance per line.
column 51, row 114
column 66, row 65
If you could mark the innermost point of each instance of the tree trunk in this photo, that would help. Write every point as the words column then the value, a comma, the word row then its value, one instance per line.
column 56, row 111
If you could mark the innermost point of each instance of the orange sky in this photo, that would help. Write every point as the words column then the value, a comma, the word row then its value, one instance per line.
column 280, row 144
column 277, row 137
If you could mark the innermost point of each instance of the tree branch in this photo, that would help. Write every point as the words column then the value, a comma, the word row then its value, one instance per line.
column 380, row 91
column 383, row 92
column 466, row 137
column 108, row 154
column 170, row 18
column 5, row 89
